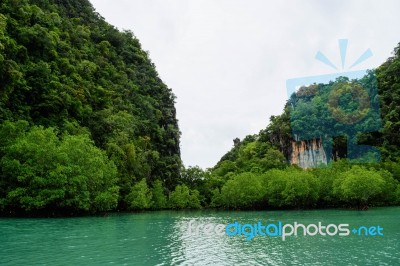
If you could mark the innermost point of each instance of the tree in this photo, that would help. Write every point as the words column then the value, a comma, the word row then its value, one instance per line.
column 193, row 176
column 159, row 200
column 140, row 196
column 225, row 168
column 326, row 177
column 96, row 171
column 358, row 186
column 291, row 188
column 216, row 200
column 273, row 159
column 397, row 193
column 182, row 197
column 243, row 191
column 194, row 199
column 63, row 66
column 41, row 172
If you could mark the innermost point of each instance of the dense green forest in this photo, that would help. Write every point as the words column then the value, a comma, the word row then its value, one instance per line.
column 84, row 115
column 86, row 126
column 256, row 173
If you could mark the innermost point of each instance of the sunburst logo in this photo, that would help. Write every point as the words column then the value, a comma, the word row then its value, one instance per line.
column 343, row 52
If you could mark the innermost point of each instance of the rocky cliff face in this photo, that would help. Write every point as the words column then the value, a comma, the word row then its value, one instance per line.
column 308, row 153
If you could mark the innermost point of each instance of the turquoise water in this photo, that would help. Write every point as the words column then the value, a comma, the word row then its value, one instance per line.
column 162, row 238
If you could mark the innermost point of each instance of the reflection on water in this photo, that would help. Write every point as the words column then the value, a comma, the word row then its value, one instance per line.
column 162, row 238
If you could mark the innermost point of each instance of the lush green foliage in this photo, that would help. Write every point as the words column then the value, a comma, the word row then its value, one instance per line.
column 341, row 185
column 183, row 197
column 397, row 195
column 261, row 159
column 292, row 188
column 359, row 185
column 159, row 200
column 63, row 67
column 86, row 125
column 140, row 196
column 243, row 191
column 388, row 75
column 42, row 172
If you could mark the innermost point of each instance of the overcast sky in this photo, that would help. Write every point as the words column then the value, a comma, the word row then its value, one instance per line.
column 227, row 61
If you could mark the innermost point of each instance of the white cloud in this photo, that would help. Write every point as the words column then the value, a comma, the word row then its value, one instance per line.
column 227, row 61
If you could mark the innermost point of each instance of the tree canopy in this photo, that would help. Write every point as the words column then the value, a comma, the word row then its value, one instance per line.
column 64, row 68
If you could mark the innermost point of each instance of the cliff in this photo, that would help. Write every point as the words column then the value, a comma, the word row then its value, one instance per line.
column 308, row 153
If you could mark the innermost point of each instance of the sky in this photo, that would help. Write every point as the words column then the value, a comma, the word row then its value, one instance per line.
column 227, row 61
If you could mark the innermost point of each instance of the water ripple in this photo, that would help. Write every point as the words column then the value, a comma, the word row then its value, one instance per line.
column 162, row 238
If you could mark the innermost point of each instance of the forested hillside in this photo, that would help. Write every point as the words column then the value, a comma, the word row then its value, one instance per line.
column 83, row 113
column 86, row 126
column 256, row 173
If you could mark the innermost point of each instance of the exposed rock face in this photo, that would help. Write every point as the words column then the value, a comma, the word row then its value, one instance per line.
column 308, row 153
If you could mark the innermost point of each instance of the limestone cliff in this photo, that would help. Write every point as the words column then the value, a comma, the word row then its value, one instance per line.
column 308, row 153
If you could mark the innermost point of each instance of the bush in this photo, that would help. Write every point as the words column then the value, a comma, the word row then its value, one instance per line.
column 358, row 186
column 397, row 193
column 291, row 188
column 182, row 197
column 159, row 200
column 243, row 191
column 41, row 172
column 140, row 196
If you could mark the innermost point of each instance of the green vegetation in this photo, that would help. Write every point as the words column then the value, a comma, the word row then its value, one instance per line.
column 84, row 114
column 43, row 172
column 183, row 197
column 255, row 173
column 340, row 186
column 359, row 185
column 140, row 196
column 86, row 126
column 159, row 200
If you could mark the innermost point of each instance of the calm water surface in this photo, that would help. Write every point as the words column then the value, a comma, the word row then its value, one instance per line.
column 161, row 238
